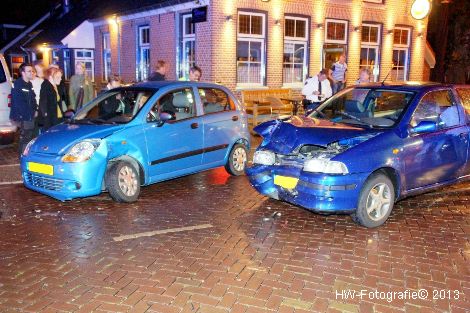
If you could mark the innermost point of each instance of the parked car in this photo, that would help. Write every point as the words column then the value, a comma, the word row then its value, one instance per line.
column 366, row 148
column 7, row 129
column 138, row 135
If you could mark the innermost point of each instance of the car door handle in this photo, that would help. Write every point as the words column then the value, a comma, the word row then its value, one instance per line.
column 194, row 125
column 234, row 118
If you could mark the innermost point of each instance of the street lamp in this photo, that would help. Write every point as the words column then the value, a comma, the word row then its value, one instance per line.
column 420, row 9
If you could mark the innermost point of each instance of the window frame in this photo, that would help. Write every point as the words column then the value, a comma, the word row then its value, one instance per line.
column 172, row 91
column 454, row 103
column 253, row 38
column 183, row 60
column 141, row 48
column 403, row 47
column 233, row 106
column 297, row 41
column 373, row 45
column 85, row 59
column 346, row 31
column 106, row 39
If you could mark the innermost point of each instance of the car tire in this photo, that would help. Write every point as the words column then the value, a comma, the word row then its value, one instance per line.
column 123, row 182
column 237, row 160
column 375, row 201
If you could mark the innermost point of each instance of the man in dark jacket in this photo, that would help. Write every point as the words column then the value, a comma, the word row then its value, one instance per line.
column 23, row 105
column 159, row 74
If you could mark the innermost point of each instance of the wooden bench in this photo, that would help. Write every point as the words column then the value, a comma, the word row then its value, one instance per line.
column 266, row 104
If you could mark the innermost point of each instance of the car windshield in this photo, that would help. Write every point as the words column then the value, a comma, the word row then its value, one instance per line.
column 118, row 106
column 367, row 107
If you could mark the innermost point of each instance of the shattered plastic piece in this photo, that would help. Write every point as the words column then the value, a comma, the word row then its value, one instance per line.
column 276, row 214
column 37, row 211
column 266, row 219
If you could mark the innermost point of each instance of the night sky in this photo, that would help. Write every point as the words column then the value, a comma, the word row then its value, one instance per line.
column 24, row 12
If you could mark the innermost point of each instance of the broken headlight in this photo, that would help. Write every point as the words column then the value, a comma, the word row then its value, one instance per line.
column 319, row 165
column 264, row 157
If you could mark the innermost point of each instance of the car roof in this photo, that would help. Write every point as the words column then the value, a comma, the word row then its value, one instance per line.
column 407, row 86
column 173, row 83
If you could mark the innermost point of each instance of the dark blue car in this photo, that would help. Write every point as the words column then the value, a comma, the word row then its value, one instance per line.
column 365, row 148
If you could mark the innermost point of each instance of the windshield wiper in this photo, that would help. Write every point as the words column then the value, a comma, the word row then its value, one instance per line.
column 355, row 118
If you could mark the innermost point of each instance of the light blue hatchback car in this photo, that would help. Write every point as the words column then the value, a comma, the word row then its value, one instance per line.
column 139, row 135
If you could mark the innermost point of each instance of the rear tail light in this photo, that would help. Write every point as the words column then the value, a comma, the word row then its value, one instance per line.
column 9, row 101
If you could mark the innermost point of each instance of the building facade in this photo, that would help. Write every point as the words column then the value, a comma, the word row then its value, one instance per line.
column 249, row 44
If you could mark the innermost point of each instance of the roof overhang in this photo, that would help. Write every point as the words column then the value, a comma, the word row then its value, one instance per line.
column 166, row 7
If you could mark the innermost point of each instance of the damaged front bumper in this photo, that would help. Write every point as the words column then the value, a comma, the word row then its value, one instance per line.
column 322, row 193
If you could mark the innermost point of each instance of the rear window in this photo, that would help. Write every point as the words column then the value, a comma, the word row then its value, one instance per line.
column 464, row 94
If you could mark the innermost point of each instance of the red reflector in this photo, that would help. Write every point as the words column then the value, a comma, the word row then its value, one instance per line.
column 9, row 101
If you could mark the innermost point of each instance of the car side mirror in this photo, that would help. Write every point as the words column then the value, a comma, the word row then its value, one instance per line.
column 164, row 117
column 69, row 114
column 424, row 127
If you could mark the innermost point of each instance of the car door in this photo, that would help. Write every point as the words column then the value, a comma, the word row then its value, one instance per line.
column 174, row 148
column 437, row 156
column 464, row 95
column 221, row 123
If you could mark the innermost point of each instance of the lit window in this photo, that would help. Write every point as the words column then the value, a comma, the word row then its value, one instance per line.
column 370, row 48
column 143, row 53
column 106, row 57
column 251, row 67
column 187, row 56
column 85, row 56
column 401, row 47
column 336, row 31
column 335, row 41
column 295, row 50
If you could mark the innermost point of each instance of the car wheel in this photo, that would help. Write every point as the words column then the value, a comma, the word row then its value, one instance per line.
column 123, row 182
column 237, row 160
column 375, row 201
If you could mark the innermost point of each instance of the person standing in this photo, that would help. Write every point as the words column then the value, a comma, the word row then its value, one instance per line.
column 159, row 74
column 338, row 73
column 64, row 99
column 80, row 89
column 50, row 107
column 23, row 105
column 38, row 78
column 316, row 90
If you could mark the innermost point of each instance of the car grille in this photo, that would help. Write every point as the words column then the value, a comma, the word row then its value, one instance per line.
column 48, row 183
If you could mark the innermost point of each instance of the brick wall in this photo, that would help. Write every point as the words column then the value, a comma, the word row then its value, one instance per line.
column 216, row 39
column 163, row 41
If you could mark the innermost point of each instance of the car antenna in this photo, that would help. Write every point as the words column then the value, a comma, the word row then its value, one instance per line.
column 383, row 81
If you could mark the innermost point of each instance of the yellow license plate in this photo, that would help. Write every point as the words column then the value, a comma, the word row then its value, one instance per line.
column 41, row 168
column 285, row 182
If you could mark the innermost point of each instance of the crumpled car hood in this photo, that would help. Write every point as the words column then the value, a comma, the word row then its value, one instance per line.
column 285, row 136
column 61, row 137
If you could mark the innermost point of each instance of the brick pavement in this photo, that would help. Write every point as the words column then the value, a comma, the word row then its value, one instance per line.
column 61, row 257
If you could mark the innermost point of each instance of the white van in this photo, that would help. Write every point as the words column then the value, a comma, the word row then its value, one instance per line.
column 7, row 129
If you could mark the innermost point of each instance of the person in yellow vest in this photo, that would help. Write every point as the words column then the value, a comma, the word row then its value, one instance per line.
column 50, row 108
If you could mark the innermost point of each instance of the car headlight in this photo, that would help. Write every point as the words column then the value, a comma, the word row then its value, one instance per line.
column 28, row 147
column 325, row 166
column 264, row 157
column 81, row 151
